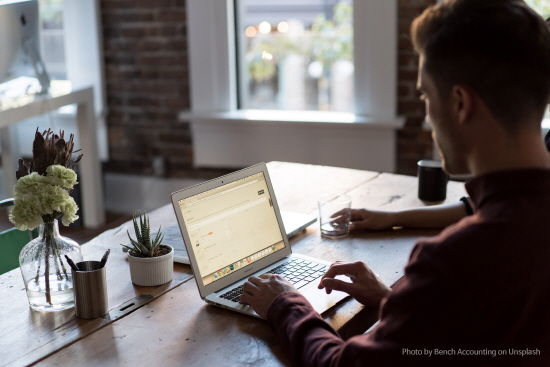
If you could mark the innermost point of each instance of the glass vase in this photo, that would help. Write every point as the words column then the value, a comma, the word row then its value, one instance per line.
column 45, row 271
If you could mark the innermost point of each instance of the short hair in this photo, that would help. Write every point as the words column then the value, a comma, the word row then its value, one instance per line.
column 499, row 48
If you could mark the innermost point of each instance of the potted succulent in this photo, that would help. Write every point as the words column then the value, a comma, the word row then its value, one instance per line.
column 151, row 262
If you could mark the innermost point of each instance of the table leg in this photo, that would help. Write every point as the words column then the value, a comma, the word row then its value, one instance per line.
column 93, row 206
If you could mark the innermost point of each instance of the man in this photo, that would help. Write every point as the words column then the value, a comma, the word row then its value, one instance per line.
column 478, row 293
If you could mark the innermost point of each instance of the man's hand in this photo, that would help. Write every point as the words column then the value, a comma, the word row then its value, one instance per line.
column 365, row 286
column 260, row 292
column 370, row 219
column 361, row 219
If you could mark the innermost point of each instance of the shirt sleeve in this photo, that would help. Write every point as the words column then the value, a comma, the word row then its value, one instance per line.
column 407, row 313
column 303, row 334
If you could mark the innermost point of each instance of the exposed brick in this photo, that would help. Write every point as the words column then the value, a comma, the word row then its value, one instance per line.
column 410, row 108
column 407, row 61
column 153, row 4
column 171, row 16
column 413, row 142
column 125, row 17
column 147, row 74
column 108, row 6
column 411, row 74
column 404, row 91
column 130, row 166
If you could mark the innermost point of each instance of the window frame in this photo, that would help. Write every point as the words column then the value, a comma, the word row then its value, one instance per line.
column 213, row 81
column 213, row 76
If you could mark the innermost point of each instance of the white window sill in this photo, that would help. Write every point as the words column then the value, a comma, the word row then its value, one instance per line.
column 296, row 118
column 245, row 137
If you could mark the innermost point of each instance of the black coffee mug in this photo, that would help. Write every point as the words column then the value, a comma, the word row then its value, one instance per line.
column 432, row 181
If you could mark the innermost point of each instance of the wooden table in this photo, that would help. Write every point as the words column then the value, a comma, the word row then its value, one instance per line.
column 171, row 325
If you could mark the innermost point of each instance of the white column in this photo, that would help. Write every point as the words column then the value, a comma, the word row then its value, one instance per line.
column 341, row 89
column 375, row 57
column 292, row 83
column 93, row 206
column 212, row 76
column 84, row 55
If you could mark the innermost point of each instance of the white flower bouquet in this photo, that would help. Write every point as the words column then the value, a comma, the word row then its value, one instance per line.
column 40, row 199
column 42, row 191
column 41, row 195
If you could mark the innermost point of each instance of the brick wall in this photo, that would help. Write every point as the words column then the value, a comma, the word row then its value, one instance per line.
column 147, row 85
column 413, row 142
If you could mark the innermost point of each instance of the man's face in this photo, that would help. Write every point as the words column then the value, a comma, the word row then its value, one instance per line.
column 441, row 117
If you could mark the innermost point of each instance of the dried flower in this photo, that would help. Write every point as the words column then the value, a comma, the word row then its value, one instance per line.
column 41, row 194
column 49, row 149
column 45, row 182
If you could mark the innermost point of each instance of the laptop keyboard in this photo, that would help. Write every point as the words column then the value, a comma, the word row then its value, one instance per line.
column 299, row 272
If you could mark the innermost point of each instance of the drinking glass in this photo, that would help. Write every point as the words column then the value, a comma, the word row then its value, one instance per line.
column 334, row 215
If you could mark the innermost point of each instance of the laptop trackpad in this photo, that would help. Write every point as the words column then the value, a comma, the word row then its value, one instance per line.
column 320, row 300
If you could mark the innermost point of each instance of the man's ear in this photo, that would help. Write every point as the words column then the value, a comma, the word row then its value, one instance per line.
column 462, row 103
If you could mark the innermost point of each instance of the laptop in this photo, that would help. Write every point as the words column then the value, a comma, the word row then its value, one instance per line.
column 294, row 223
column 232, row 229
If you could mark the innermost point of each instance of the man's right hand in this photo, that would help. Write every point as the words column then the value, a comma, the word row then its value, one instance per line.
column 366, row 287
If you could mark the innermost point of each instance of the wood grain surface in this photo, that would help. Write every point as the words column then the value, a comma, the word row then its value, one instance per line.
column 27, row 335
column 176, row 327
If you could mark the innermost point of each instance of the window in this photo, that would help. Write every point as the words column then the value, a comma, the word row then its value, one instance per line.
column 540, row 6
column 52, row 45
column 212, row 56
column 543, row 8
column 219, row 117
column 295, row 55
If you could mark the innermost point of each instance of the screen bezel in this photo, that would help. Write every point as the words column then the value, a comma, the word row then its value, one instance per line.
column 239, row 274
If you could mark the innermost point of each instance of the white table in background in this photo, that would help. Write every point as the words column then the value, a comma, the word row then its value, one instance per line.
column 90, row 177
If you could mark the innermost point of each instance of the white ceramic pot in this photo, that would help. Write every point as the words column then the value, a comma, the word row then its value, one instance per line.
column 152, row 271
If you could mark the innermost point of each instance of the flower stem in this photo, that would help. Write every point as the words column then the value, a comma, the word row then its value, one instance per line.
column 57, row 258
column 49, row 239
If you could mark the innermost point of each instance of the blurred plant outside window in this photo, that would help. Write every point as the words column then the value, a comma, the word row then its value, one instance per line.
column 540, row 6
column 52, row 42
column 543, row 8
column 296, row 64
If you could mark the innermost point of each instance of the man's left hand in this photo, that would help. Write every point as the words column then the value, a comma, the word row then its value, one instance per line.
column 260, row 292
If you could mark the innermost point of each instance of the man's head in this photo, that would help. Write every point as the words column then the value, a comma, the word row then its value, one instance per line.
column 499, row 50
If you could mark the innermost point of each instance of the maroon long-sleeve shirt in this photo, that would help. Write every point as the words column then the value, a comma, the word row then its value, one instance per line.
column 478, row 294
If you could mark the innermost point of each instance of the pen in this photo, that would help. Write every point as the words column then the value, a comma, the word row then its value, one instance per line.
column 71, row 263
column 104, row 258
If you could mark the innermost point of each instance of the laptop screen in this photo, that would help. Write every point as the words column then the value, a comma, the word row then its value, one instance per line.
column 231, row 226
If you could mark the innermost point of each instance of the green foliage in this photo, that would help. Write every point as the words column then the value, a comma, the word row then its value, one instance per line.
column 540, row 6
column 143, row 245
column 333, row 39
column 328, row 40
